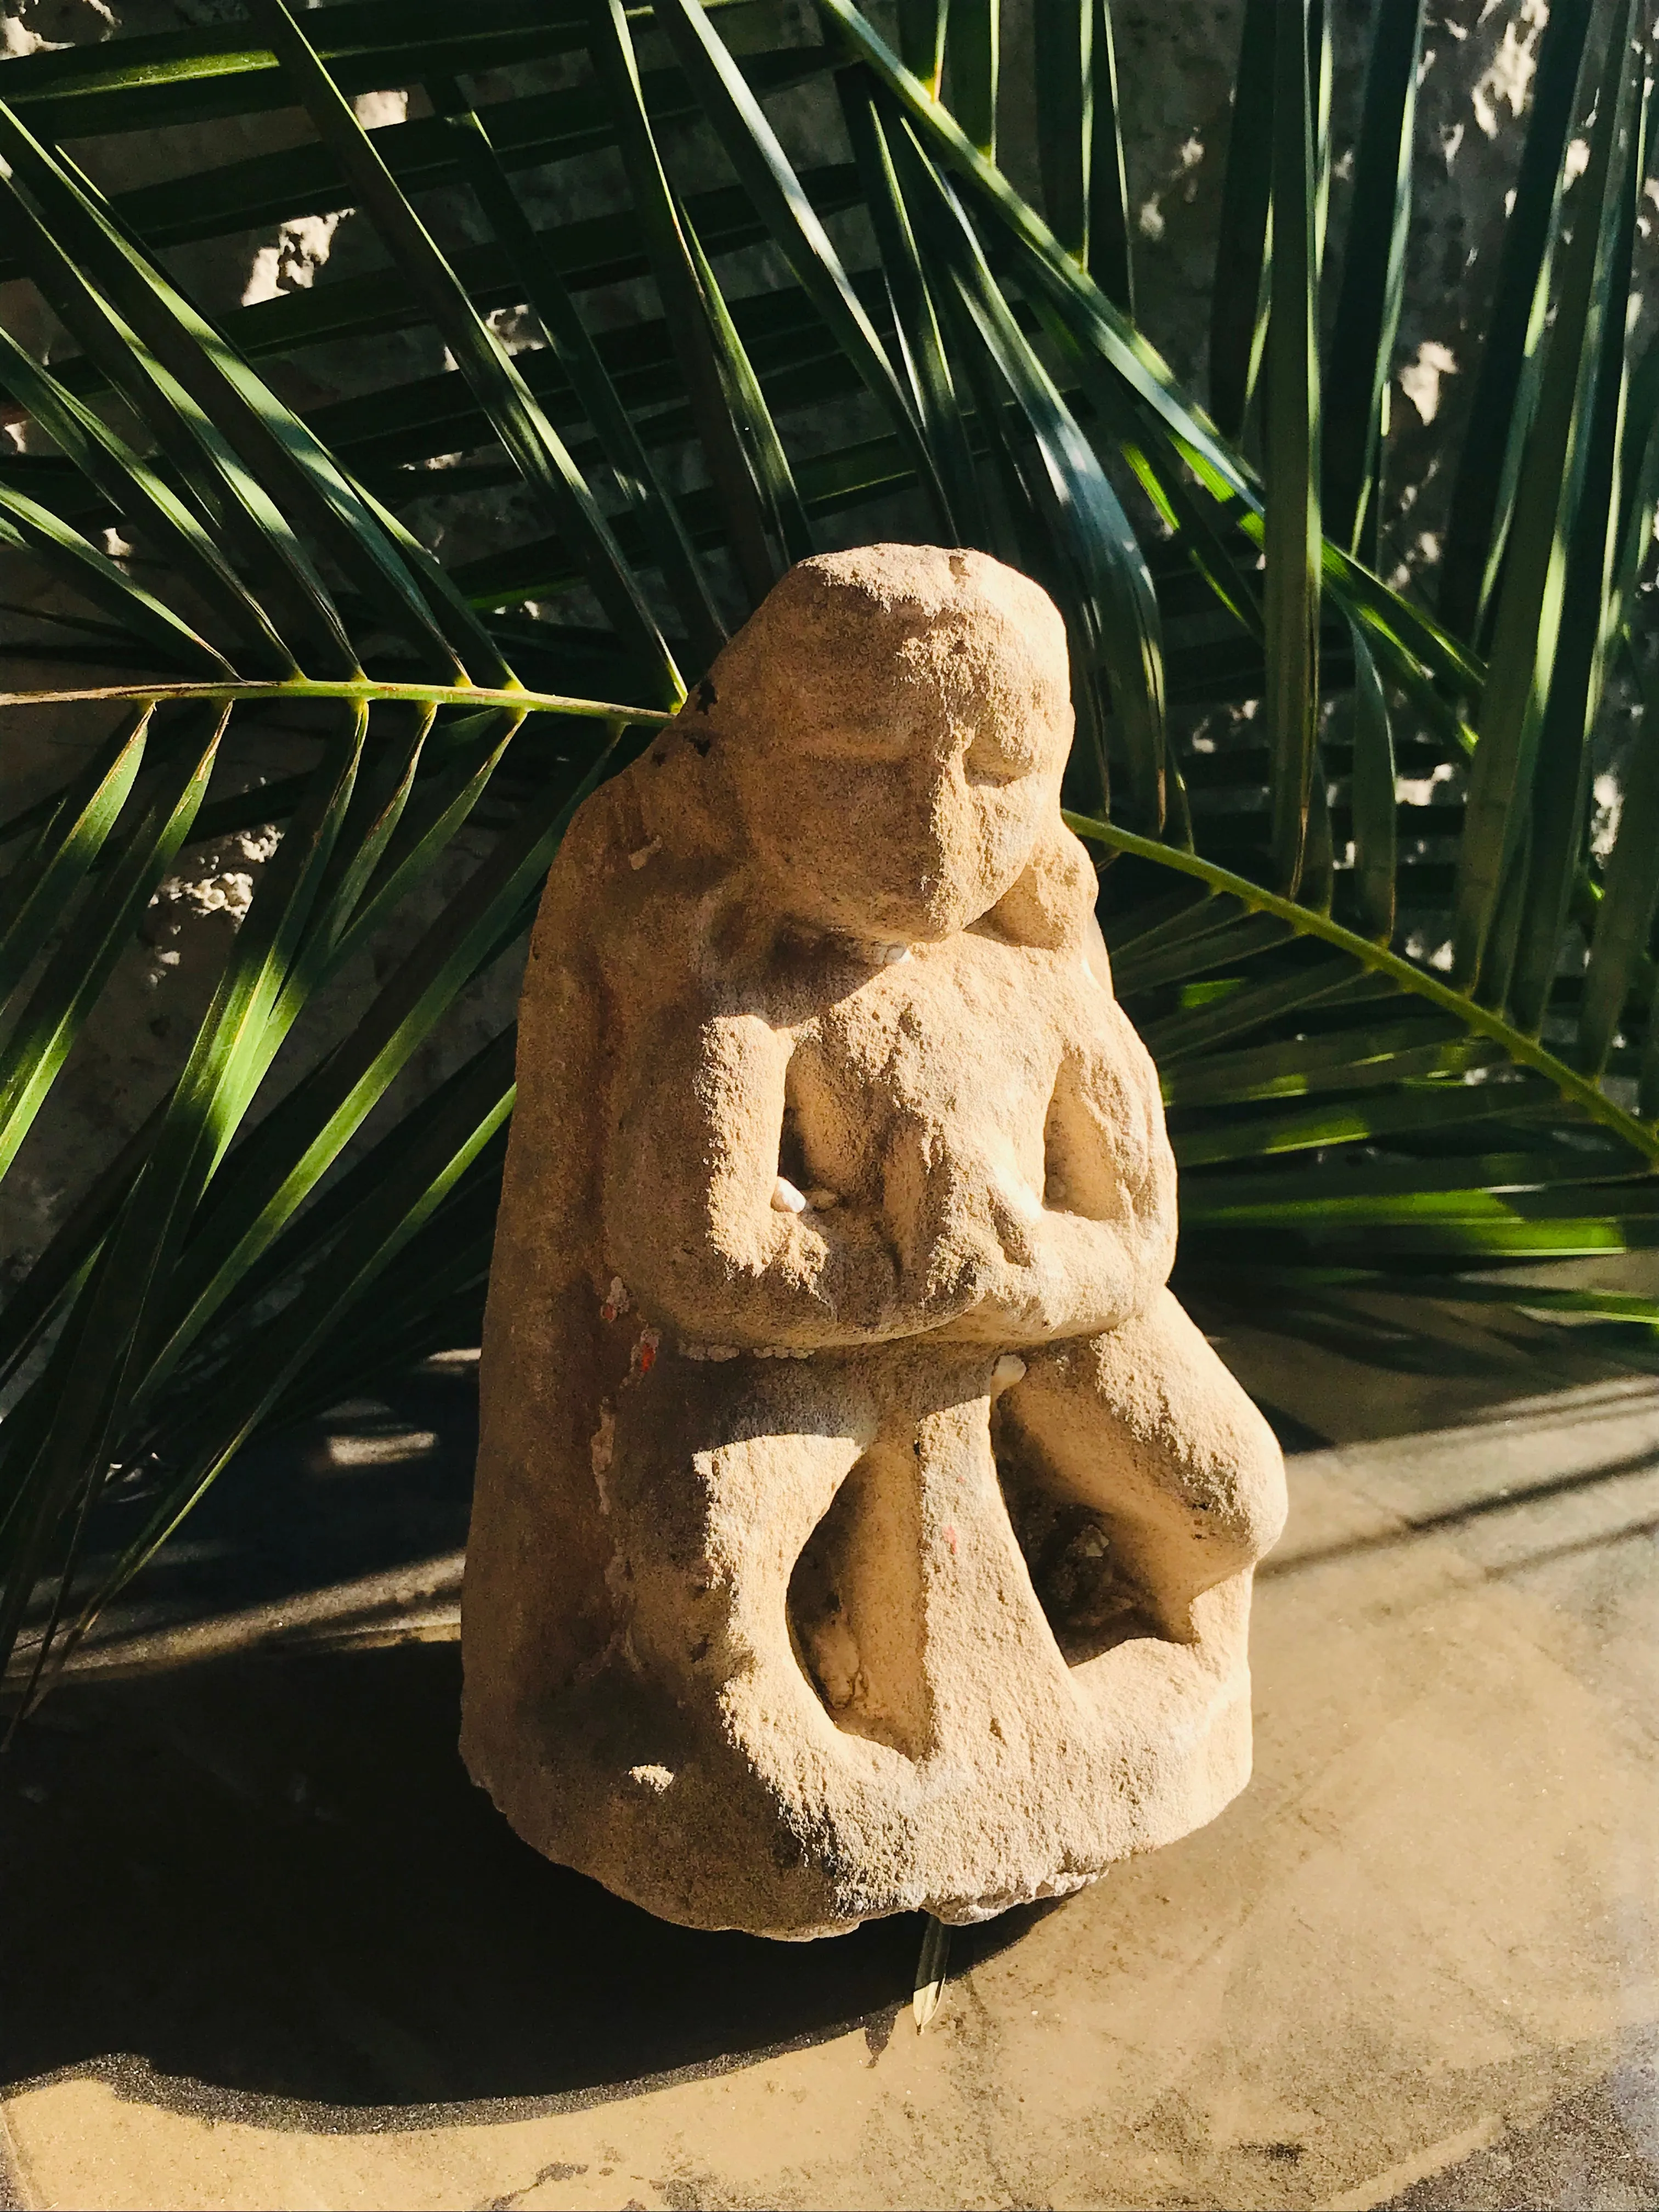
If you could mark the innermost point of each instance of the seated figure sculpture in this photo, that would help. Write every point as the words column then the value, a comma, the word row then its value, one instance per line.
column 860, row 1524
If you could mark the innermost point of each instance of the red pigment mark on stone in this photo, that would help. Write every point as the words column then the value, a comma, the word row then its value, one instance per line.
column 950, row 1539
column 607, row 1311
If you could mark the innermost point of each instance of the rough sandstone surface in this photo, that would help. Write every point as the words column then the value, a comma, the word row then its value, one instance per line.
column 860, row 1524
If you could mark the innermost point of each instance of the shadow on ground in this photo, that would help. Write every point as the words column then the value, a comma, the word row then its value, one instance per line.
column 1591, row 2152
column 272, row 1878
column 262, row 1886
column 375, row 1485
column 269, row 1877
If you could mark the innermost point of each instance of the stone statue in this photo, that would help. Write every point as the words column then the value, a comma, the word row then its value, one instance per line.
column 861, row 1525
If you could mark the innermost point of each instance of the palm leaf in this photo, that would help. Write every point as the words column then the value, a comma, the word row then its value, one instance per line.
column 1526, row 628
column 1237, row 322
column 1373, row 282
column 975, row 63
column 1501, row 410
column 1290, row 587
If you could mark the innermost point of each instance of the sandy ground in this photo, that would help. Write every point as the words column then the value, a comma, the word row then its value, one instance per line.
column 265, row 1948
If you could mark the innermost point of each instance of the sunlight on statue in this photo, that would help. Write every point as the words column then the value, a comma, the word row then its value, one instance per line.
column 861, row 1526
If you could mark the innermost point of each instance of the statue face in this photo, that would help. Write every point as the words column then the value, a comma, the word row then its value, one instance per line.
column 896, row 753
column 896, row 832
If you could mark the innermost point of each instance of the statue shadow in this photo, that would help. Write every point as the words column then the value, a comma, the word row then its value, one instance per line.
column 267, row 1886
column 263, row 1882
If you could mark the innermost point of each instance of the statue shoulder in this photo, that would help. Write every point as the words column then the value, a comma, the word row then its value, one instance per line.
column 1051, row 908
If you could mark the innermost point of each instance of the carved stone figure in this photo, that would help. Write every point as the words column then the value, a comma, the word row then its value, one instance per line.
column 860, row 1524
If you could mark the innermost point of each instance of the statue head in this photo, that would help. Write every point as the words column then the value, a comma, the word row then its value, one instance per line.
column 893, row 723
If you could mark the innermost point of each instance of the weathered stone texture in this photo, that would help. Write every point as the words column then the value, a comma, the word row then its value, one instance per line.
column 861, row 1525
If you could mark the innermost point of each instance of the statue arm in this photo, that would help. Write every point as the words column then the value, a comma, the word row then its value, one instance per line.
column 1096, row 1247
column 693, row 1228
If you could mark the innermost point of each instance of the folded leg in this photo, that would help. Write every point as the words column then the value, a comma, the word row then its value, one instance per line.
column 1141, row 1473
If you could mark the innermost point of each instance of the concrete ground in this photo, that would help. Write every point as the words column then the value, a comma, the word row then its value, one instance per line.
column 263, row 1946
